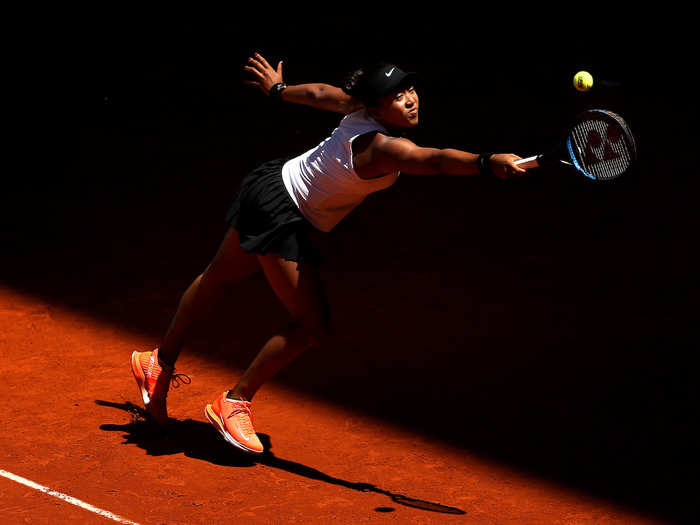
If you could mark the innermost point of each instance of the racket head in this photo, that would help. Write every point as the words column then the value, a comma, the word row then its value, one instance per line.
column 601, row 145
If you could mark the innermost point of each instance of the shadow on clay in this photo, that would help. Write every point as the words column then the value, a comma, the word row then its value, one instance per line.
column 199, row 440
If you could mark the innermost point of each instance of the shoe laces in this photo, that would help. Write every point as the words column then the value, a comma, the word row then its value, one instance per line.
column 179, row 379
column 176, row 380
column 155, row 367
column 241, row 407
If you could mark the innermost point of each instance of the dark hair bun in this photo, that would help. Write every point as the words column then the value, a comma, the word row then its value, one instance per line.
column 351, row 83
column 356, row 83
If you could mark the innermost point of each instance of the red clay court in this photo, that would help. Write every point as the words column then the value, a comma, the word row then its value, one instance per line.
column 504, row 353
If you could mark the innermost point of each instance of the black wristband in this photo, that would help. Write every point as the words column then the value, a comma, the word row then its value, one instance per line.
column 276, row 91
column 484, row 163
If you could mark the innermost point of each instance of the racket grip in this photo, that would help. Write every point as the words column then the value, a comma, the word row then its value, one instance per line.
column 530, row 162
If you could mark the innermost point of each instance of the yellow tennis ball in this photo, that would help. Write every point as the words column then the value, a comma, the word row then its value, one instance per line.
column 583, row 81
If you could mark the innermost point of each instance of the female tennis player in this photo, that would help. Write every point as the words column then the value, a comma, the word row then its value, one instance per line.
column 277, row 205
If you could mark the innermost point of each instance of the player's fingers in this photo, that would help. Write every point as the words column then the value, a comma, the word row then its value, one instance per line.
column 256, row 64
column 279, row 68
column 514, row 169
column 517, row 169
column 254, row 71
column 262, row 60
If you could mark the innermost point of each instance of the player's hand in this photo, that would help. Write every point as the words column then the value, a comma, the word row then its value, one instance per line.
column 504, row 167
column 264, row 76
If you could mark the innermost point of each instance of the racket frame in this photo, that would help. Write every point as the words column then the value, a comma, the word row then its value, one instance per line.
column 573, row 161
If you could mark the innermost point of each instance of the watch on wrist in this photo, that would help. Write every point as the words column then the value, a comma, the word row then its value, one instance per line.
column 276, row 90
column 484, row 163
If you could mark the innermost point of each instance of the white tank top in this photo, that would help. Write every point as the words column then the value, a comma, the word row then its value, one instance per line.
column 322, row 182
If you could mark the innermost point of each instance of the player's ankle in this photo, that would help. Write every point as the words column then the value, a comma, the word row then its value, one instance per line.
column 166, row 359
column 239, row 393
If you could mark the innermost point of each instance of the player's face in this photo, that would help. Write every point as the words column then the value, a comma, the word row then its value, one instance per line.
column 398, row 110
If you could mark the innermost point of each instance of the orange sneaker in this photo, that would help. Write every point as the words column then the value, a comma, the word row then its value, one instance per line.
column 153, row 378
column 232, row 418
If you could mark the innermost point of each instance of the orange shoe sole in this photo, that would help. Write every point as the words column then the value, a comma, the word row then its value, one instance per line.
column 215, row 420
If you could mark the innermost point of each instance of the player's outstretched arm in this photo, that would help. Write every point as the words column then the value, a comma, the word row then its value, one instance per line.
column 399, row 154
column 316, row 95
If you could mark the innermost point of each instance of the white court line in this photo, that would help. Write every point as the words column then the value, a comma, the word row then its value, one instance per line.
column 65, row 497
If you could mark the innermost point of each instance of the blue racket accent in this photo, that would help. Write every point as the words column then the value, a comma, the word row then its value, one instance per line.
column 574, row 161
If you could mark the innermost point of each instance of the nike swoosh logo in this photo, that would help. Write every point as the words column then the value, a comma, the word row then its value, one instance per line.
column 390, row 72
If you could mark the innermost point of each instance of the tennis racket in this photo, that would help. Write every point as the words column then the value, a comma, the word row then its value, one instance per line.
column 599, row 145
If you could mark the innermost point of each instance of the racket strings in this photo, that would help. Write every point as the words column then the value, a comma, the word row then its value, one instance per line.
column 602, row 148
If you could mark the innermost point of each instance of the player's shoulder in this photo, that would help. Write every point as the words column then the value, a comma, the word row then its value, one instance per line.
column 391, row 145
column 376, row 142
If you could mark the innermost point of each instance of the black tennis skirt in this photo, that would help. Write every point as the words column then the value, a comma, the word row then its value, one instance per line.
column 266, row 218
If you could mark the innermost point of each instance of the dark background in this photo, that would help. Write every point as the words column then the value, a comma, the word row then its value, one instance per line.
column 546, row 322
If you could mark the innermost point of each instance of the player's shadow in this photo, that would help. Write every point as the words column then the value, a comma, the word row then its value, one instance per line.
column 199, row 440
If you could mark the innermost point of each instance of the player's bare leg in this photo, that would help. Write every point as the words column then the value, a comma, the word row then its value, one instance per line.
column 230, row 265
column 301, row 290
column 154, row 370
